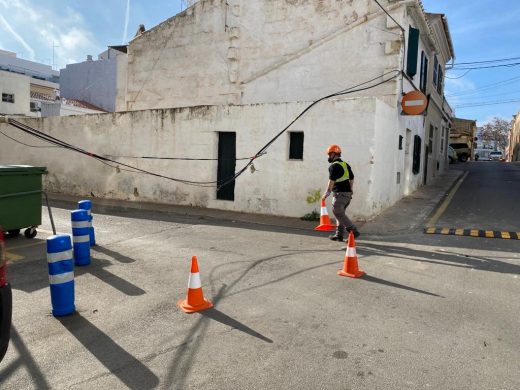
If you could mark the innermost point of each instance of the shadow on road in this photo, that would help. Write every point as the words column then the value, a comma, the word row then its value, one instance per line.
column 112, row 254
column 25, row 361
column 30, row 276
column 133, row 373
column 218, row 316
column 373, row 279
column 449, row 259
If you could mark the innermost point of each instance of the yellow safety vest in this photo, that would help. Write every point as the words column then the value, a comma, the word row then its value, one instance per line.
column 345, row 176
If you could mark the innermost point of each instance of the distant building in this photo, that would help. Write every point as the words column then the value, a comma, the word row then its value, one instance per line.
column 96, row 82
column 514, row 140
column 26, row 86
column 464, row 131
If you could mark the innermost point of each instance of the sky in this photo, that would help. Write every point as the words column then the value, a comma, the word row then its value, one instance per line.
column 481, row 30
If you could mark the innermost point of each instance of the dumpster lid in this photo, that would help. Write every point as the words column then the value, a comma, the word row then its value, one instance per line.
column 10, row 169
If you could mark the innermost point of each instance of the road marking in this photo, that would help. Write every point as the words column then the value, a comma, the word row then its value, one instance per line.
column 473, row 233
column 433, row 220
column 36, row 243
column 11, row 257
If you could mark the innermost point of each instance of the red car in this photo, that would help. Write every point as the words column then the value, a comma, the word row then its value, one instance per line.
column 6, row 300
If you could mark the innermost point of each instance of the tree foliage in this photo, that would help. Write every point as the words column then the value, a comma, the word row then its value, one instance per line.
column 497, row 130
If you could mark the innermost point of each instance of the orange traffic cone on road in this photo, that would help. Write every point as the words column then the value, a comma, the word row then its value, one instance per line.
column 350, row 268
column 325, row 224
column 195, row 300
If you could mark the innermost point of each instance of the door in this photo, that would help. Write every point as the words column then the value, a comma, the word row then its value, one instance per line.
column 226, row 165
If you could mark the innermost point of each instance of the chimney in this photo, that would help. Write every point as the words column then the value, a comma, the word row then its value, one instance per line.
column 89, row 57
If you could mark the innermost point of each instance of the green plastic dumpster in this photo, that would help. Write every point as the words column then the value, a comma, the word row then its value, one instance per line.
column 21, row 198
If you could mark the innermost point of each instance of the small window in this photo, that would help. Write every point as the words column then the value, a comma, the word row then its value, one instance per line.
column 424, row 72
column 8, row 97
column 416, row 167
column 296, row 145
column 435, row 70
column 400, row 142
column 441, row 81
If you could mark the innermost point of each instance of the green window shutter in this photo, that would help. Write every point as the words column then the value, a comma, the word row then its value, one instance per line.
column 413, row 51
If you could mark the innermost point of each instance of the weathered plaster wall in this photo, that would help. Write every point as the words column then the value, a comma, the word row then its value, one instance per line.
column 243, row 52
column 279, row 186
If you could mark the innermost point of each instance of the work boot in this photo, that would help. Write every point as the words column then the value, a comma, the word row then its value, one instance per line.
column 355, row 232
column 336, row 237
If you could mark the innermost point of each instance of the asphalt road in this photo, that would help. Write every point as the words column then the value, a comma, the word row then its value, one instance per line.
column 433, row 311
column 488, row 199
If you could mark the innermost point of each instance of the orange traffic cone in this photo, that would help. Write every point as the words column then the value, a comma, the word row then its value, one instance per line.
column 325, row 224
column 195, row 300
column 350, row 268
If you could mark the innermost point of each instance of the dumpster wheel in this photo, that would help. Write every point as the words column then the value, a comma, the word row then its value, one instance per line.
column 30, row 232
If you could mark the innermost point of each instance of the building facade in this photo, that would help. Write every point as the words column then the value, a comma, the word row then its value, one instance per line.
column 220, row 79
column 96, row 82
column 514, row 140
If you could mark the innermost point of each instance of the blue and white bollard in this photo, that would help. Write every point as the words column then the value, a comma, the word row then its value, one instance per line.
column 80, row 236
column 61, row 274
column 87, row 205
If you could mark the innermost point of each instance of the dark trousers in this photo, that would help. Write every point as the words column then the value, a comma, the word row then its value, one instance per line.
column 340, row 202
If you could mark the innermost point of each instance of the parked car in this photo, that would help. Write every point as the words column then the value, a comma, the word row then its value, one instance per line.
column 452, row 155
column 463, row 151
column 6, row 300
column 497, row 156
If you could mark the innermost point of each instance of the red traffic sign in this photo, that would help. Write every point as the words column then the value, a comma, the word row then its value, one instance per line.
column 414, row 103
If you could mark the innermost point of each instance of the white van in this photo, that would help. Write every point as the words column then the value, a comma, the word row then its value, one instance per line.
column 498, row 156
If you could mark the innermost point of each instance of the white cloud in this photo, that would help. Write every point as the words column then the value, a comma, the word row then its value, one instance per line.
column 127, row 17
column 7, row 27
column 44, row 27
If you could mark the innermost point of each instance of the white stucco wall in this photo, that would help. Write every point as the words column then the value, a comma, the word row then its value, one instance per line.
column 279, row 186
column 243, row 52
column 19, row 86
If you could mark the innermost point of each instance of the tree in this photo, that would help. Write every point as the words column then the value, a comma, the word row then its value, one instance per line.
column 497, row 131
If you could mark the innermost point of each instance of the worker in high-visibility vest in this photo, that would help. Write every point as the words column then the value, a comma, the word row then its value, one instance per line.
column 341, row 185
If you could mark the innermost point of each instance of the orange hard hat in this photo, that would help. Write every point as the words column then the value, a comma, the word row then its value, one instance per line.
column 334, row 149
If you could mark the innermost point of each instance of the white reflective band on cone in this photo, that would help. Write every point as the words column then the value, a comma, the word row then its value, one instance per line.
column 324, row 211
column 351, row 252
column 60, row 256
column 61, row 278
column 80, row 224
column 80, row 239
column 194, row 281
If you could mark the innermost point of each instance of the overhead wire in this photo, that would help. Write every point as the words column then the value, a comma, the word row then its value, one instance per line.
column 127, row 167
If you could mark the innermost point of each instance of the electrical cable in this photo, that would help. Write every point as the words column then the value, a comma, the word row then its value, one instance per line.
column 488, row 61
column 479, row 104
column 459, row 77
column 485, row 67
column 30, row 146
column 105, row 160
column 486, row 87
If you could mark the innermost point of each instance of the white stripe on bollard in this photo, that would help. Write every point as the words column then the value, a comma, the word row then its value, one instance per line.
column 351, row 252
column 61, row 278
column 324, row 211
column 194, row 281
column 60, row 256
column 80, row 239
column 80, row 224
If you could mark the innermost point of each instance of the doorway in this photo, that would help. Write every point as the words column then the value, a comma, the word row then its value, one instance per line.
column 226, row 165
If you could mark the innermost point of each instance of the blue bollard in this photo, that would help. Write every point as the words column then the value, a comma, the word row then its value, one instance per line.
column 87, row 205
column 61, row 274
column 80, row 236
